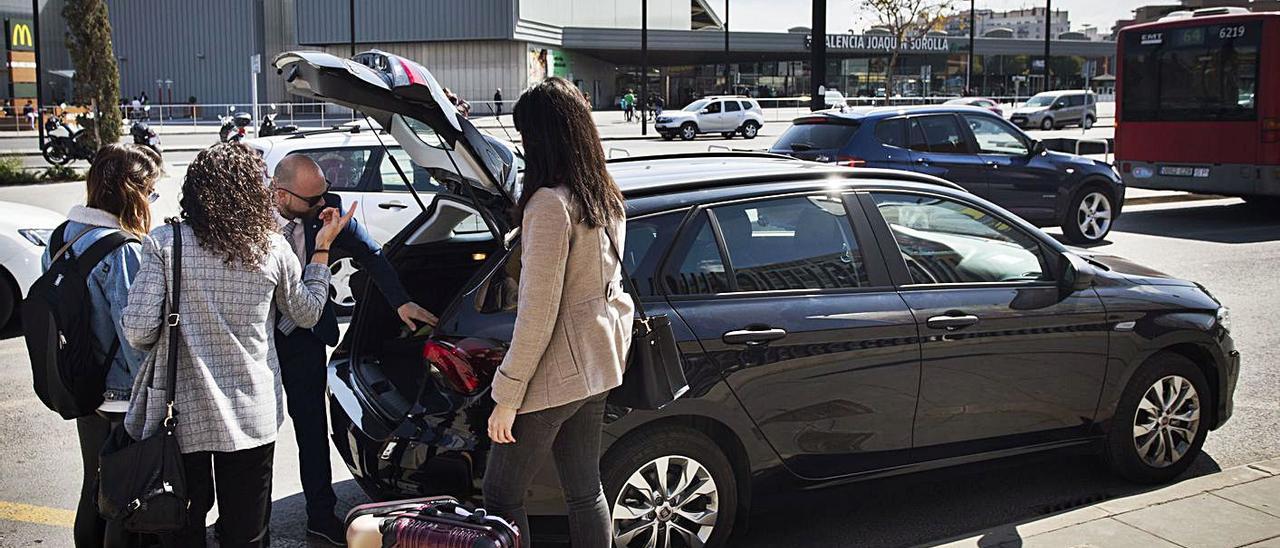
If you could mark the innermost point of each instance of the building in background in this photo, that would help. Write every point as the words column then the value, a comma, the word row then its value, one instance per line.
column 1149, row 13
column 1024, row 23
column 180, row 51
column 18, row 79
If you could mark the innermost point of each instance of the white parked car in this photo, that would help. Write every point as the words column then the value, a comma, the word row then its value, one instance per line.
column 834, row 99
column 24, row 233
column 359, row 170
column 725, row 115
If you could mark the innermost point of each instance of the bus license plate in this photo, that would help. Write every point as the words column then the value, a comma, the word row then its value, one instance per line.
column 1181, row 171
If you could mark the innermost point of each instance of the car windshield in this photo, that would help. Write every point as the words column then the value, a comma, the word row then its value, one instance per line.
column 696, row 106
column 1040, row 101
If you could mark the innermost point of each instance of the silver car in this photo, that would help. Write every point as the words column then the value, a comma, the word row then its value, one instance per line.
column 727, row 115
column 1055, row 109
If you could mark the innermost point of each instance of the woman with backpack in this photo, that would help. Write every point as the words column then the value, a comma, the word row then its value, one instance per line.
column 238, row 276
column 120, row 189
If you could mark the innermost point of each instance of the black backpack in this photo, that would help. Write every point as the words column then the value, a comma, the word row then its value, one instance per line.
column 56, row 324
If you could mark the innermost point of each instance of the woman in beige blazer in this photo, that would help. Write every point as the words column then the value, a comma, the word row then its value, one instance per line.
column 573, row 323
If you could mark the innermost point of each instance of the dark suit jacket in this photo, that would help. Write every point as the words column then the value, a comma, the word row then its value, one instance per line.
column 354, row 242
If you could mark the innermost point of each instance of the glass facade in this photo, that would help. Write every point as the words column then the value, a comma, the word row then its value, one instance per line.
column 917, row 75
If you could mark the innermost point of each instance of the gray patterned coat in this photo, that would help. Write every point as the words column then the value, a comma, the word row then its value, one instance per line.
column 229, row 395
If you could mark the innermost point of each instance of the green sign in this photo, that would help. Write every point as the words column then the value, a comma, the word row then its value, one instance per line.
column 18, row 35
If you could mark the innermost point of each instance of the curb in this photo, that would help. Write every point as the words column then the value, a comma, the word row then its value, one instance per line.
column 1024, row 530
column 1171, row 198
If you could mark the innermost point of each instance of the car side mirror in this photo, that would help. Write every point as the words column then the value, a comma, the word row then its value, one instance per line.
column 1037, row 147
column 705, row 111
column 1076, row 274
column 1057, row 106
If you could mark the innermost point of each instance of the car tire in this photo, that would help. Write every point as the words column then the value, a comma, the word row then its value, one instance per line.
column 727, row 134
column 1148, row 442
column 629, row 471
column 688, row 131
column 1090, row 215
column 8, row 298
column 1088, row 122
column 668, row 136
column 750, row 130
column 1046, row 124
column 341, row 268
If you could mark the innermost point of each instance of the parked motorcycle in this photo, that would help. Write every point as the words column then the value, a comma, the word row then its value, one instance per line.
column 65, row 144
column 233, row 125
column 145, row 136
column 269, row 127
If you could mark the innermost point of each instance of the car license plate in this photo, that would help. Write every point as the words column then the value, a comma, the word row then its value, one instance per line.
column 1183, row 171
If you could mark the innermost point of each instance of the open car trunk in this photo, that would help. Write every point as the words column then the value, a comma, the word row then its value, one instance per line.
column 382, row 372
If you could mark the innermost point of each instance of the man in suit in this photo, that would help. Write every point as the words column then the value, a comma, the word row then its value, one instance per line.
column 301, row 192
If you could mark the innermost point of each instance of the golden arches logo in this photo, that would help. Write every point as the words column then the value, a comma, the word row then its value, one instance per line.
column 20, row 35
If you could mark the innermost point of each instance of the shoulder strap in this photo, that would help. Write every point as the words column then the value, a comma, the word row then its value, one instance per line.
column 627, row 282
column 65, row 247
column 104, row 246
column 59, row 236
column 174, row 318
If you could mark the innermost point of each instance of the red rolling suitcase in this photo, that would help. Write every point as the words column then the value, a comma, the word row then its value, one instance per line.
column 432, row 522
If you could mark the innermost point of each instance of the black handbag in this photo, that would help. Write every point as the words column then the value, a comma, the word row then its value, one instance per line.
column 655, row 374
column 142, row 482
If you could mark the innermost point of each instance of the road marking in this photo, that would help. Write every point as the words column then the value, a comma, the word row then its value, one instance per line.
column 43, row 515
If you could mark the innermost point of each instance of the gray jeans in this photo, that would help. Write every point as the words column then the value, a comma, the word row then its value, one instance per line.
column 569, row 433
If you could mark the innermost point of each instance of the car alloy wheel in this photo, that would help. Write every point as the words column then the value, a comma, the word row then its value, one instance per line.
column 670, row 501
column 340, row 272
column 1094, row 215
column 749, row 130
column 688, row 132
column 1046, row 124
column 1166, row 421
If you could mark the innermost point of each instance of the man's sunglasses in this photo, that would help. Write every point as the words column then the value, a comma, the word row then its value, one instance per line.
column 311, row 201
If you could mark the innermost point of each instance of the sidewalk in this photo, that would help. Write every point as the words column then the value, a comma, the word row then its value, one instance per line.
column 1233, row 508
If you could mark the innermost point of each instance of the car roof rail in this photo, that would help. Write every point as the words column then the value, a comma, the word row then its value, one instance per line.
column 709, row 154
column 354, row 129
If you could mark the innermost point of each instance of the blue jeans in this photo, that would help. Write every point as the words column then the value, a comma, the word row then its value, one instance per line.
column 569, row 433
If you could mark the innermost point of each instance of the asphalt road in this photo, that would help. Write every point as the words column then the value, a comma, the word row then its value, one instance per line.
column 1229, row 247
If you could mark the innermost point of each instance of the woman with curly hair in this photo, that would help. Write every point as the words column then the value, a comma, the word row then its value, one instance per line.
column 237, row 273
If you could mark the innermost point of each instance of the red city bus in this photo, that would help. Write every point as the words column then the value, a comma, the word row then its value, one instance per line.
column 1198, row 103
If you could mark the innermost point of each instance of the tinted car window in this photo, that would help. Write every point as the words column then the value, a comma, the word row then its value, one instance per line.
column 943, row 134
column 915, row 136
column 994, row 136
column 731, row 106
column 791, row 243
column 647, row 241
column 802, row 137
column 696, row 266
column 892, row 132
column 944, row 241
column 713, row 108
column 1075, row 100
column 342, row 167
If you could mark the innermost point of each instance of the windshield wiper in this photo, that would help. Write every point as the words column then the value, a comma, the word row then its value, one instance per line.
column 801, row 147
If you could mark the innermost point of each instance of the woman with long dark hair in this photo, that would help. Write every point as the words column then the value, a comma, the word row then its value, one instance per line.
column 120, row 188
column 573, row 324
column 238, row 272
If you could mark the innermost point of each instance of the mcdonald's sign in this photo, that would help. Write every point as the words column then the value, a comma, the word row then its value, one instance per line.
column 18, row 36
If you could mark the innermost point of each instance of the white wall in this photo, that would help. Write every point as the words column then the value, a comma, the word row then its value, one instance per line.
column 663, row 14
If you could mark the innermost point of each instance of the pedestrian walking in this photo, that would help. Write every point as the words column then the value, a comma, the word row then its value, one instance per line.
column 237, row 273
column 658, row 104
column 119, row 188
column 497, row 101
column 301, row 193
column 630, row 98
column 549, row 401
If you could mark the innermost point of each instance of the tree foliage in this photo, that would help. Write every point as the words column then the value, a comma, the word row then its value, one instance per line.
column 905, row 20
column 97, row 80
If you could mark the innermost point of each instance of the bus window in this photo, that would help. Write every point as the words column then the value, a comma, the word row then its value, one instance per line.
column 1204, row 73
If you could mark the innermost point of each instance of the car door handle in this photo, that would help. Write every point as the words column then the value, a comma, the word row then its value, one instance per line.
column 392, row 205
column 921, row 161
column 754, row 336
column 951, row 323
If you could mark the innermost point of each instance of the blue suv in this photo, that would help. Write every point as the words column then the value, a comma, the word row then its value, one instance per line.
column 974, row 148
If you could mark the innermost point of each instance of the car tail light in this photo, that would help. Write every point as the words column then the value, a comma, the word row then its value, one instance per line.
column 1271, row 130
column 411, row 72
column 850, row 161
column 1126, row 167
column 465, row 366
